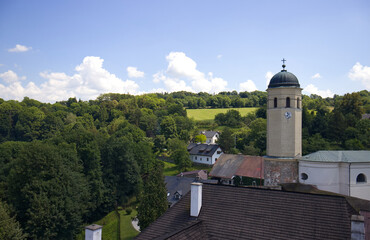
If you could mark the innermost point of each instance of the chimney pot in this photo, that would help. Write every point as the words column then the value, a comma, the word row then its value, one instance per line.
column 196, row 199
column 357, row 227
column 93, row 232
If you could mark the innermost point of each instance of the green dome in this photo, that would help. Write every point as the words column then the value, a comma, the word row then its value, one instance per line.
column 284, row 79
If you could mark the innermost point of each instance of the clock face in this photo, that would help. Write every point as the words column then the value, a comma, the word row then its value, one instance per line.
column 288, row 115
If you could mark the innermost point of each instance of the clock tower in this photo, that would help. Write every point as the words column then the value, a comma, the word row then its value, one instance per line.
column 284, row 128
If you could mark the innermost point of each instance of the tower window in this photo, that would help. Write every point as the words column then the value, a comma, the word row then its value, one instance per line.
column 361, row 178
column 297, row 102
column 288, row 102
column 275, row 102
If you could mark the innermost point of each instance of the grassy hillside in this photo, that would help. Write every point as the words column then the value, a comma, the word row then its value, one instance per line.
column 113, row 228
column 210, row 113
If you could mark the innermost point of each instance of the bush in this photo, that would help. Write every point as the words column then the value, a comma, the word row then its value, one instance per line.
column 128, row 211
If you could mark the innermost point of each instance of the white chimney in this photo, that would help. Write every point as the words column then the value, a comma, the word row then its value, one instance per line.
column 357, row 227
column 196, row 199
column 93, row 232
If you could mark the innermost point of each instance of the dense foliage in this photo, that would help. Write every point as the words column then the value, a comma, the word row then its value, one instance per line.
column 335, row 123
column 71, row 162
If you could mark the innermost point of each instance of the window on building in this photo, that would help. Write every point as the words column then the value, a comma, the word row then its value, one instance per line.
column 195, row 157
column 361, row 178
column 297, row 102
column 275, row 102
column 304, row 176
column 218, row 152
column 207, row 159
column 200, row 159
column 288, row 102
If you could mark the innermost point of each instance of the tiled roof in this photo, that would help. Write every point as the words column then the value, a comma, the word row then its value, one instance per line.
column 202, row 149
column 338, row 156
column 230, row 212
column 208, row 134
column 201, row 174
column 229, row 165
column 176, row 184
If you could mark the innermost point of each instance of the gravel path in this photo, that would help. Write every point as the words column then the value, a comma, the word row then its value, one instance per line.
column 135, row 224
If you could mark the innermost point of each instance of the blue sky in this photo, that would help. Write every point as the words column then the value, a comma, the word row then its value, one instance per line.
column 53, row 50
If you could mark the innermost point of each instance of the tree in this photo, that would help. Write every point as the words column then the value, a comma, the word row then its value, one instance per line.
column 10, row 229
column 351, row 104
column 336, row 126
column 261, row 112
column 121, row 173
column 258, row 134
column 48, row 191
column 231, row 118
column 182, row 158
column 179, row 154
column 226, row 140
column 153, row 200
column 168, row 127
column 201, row 138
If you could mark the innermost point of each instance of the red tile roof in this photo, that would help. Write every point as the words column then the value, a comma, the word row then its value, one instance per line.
column 229, row 165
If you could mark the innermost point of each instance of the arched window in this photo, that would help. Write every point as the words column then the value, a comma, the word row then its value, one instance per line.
column 304, row 176
column 288, row 102
column 361, row 178
column 275, row 102
column 297, row 102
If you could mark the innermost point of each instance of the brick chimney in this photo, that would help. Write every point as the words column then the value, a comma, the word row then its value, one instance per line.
column 93, row 232
column 196, row 199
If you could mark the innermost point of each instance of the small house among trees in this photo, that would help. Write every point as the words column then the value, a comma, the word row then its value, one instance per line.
column 204, row 153
column 212, row 136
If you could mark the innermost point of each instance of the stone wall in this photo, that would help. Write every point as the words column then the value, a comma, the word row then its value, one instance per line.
column 278, row 171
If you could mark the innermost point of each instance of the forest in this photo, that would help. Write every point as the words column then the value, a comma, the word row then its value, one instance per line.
column 67, row 164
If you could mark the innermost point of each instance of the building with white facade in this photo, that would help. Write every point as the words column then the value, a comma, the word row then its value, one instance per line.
column 212, row 136
column 204, row 153
column 343, row 172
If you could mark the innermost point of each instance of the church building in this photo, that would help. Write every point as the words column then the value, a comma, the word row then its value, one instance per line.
column 343, row 172
column 284, row 129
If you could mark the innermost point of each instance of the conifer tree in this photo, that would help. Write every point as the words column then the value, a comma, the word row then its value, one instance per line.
column 153, row 200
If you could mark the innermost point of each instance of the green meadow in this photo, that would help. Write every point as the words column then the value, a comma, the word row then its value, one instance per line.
column 210, row 113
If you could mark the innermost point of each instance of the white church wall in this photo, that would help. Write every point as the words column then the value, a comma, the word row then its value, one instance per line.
column 344, row 178
column 323, row 175
column 360, row 189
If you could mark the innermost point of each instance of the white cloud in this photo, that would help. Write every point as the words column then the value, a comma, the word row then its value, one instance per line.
column 10, row 77
column 182, row 75
column 268, row 77
column 89, row 81
column 360, row 73
column 134, row 73
column 219, row 56
column 19, row 48
column 248, row 86
column 316, row 76
column 171, row 84
column 312, row 89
